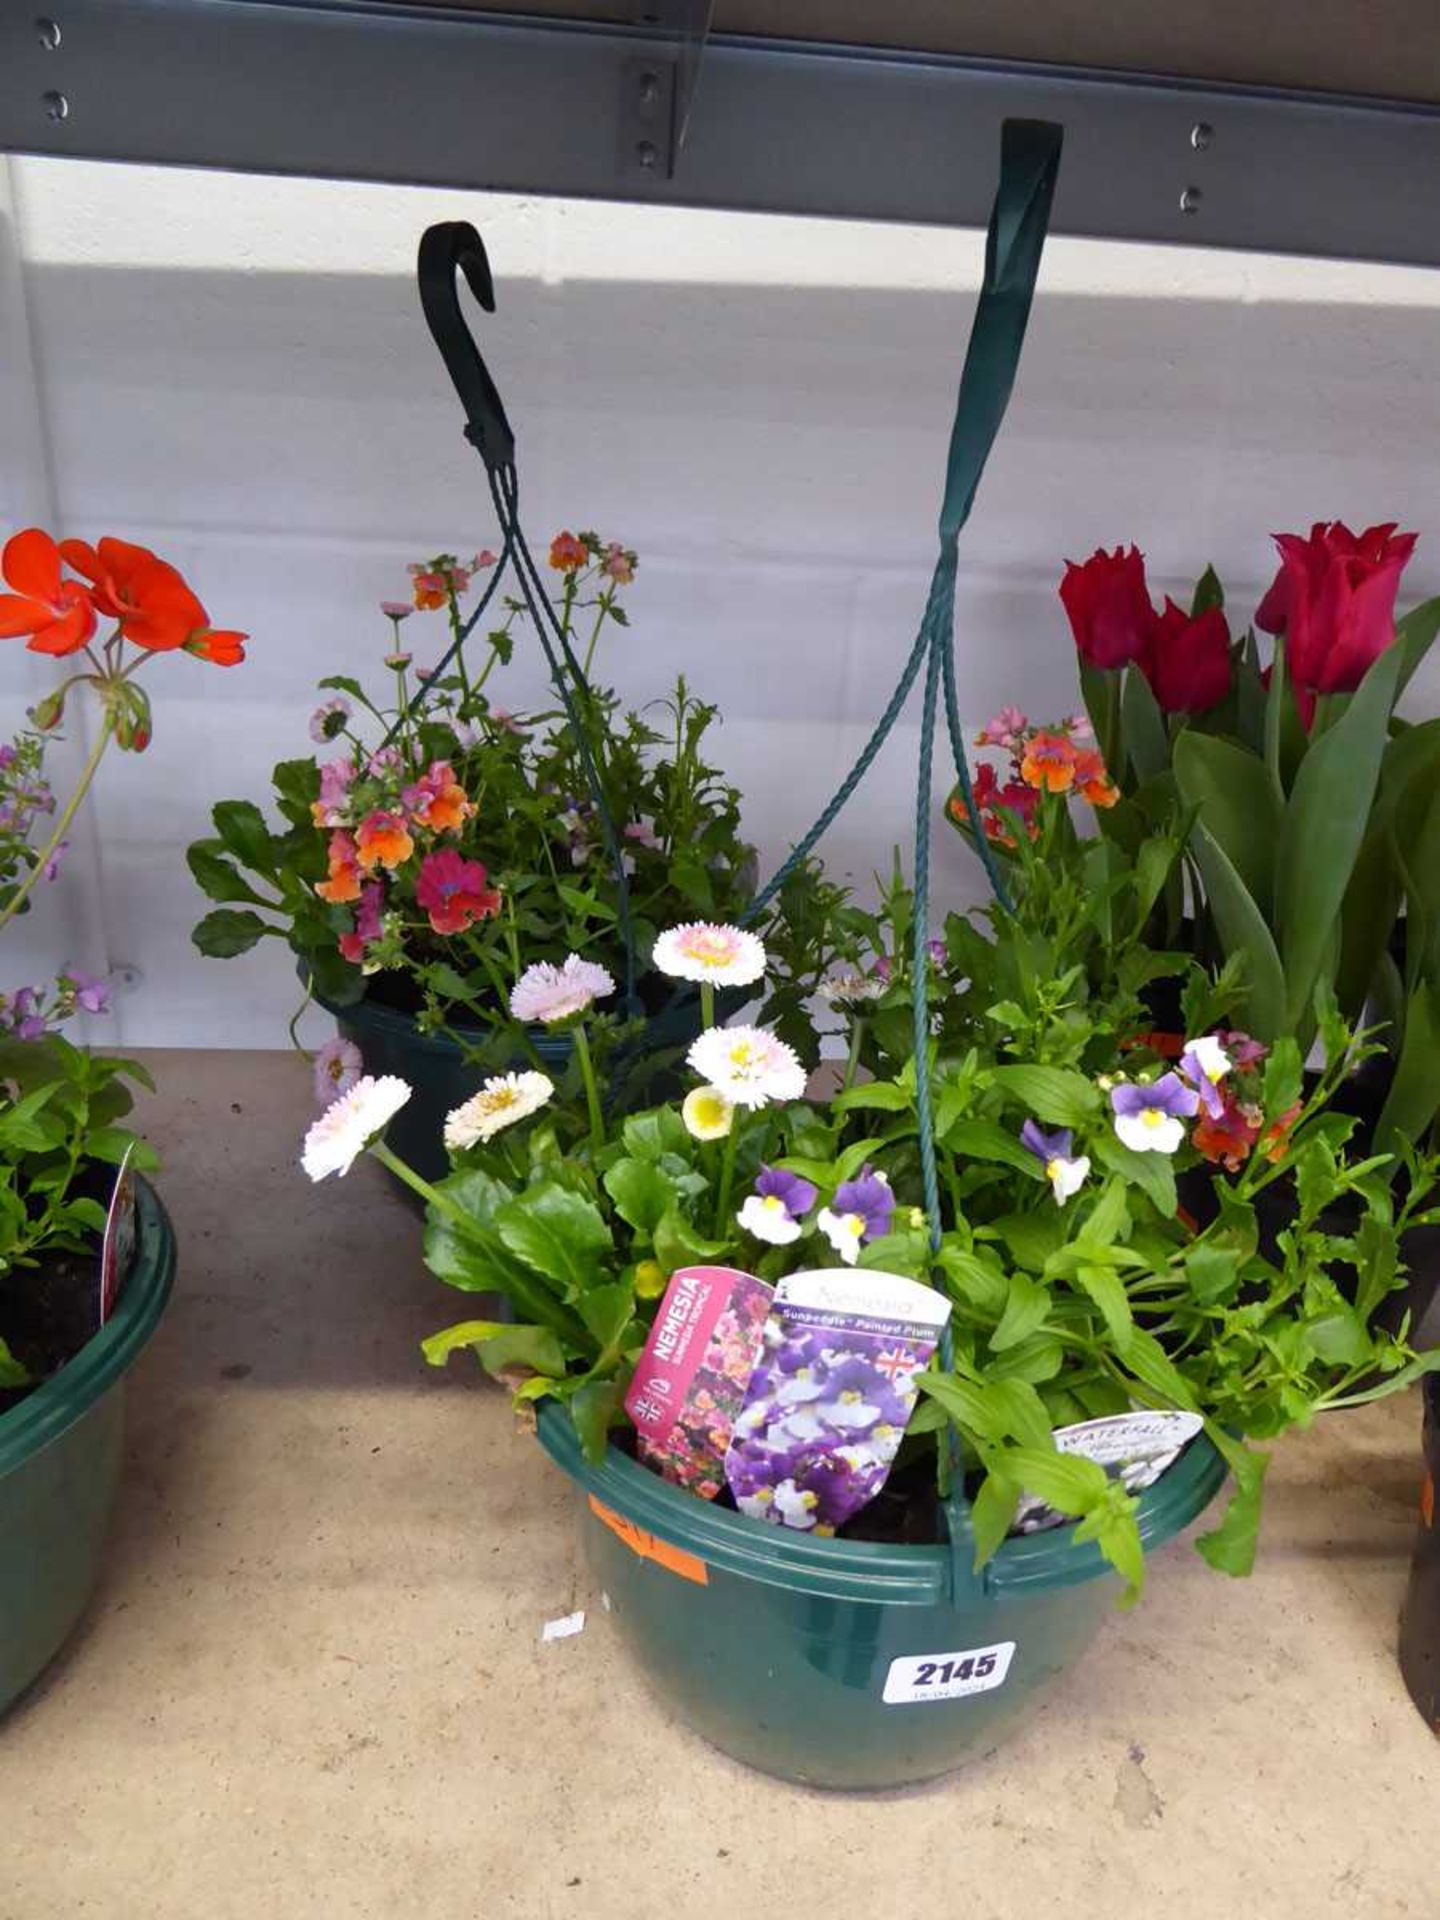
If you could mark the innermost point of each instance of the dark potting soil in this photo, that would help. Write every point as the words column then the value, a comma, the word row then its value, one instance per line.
column 395, row 989
column 49, row 1311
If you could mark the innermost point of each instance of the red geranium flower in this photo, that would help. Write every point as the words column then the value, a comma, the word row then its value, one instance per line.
column 57, row 614
column 452, row 890
column 156, row 608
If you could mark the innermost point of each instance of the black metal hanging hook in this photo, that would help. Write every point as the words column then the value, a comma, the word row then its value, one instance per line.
column 447, row 249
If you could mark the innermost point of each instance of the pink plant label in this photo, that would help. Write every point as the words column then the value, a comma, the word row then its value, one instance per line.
column 691, row 1379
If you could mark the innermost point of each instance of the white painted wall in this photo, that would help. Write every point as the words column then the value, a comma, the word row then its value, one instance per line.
column 235, row 371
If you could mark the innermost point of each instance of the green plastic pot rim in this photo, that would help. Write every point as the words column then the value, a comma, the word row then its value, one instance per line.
column 863, row 1570
column 70, row 1393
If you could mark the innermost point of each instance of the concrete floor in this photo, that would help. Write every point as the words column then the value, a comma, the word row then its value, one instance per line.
column 313, row 1683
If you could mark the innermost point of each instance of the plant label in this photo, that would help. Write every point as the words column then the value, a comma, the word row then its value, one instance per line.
column 117, row 1249
column 916, row 1678
column 692, row 1376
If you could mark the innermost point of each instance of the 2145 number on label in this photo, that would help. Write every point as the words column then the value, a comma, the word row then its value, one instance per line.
column 946, row 1676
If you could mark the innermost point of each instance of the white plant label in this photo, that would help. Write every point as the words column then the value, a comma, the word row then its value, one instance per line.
column 916, row 1678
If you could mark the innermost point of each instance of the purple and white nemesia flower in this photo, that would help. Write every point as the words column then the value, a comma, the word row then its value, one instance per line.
column 548, row 994
column 1147, row 1118
column 1065, row 1173
column 338, row 1067
column 862, row 1211
column 1205, row 1064
column 775, row 1210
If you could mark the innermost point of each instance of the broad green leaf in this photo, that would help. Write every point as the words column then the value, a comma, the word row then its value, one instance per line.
column 1027, row 1304
column 1030, row 1238
column 641, row 1193
column 1235, row 801
column 241, row 828
column 1146, row 740
column 1109, row 1218
column 595, row 1408
column 648, row 1135
column 1020, row 1411
column 1064, row 1481
column 965, row 1404
column 1035, row 1360
column 228, row 931
column 1148, row 1361
column 1414, row 636
column 217, row 877
column 984, row 1140
column 679, row 1244
column 1055, row 1096
column 438, row 1348
column 992, row 1512
column 560, row 1234
column 973, row 1282
column 1243, row 930
column 1230, row 1547
column 1339, row 1339
column 607, row 1311
column 1151, row 1172
column 1325, row 821
column 1414, row 1095
column 1213, row 1273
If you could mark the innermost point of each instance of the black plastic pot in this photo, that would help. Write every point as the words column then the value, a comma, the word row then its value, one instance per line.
column 1420, row 1616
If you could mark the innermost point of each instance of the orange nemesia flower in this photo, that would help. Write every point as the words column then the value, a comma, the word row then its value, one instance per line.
column 342, row 884
column 57, row 614
column 1050, row 761
column 155, row 606
column 567, row 553
column 1228, row 1137
column 448, row 808
column 1092, row 781
column 1277, row 1134
column 383, row 840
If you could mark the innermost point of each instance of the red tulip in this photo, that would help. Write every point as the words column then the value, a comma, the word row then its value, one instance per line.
column 1109, row 606
column 1334, row 600
column 1188, row 660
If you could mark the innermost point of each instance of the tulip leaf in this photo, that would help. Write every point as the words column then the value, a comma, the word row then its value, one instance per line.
column 1325, row 821
column 1243, row 930
column 1414, row 636
column 1236, row 803
column 1414, row 1095
column 1146, row 740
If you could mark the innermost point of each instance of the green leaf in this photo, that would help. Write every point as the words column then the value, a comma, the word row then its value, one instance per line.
column 607, row 1311
column 560, row 1234
column 992, row 1513
column 1148, row 1361
column 974, row 1283
column 641, row 1193
column 344, row 683
column 498, row 1345
column 1243, row 930
column 242, row 829
column 438, row 1348
column 1237, row 803
column 1151, row 1172
column 1064, row 1481
column 1414, row 636
column 649, row 1135
column 1019, row 1411
column 984, row 1140
column 1107, row 1290
column 1339, row 1339
column 1230, row 1547
column 1324, row 826
column 1284, row 1077
column 1414, row 1095
column 1146, row 740
column 1030, row 1238
column 1208, row 593
column 1213, row 1273
column 216, row 876
column 595, row 1408
column 1027, row 1305
column 964, row 1402
column 882, row 1095
column 1109, row 1218
column 679, row 1244
column 228, row 931
column 12, row 1373
column 1055, row 1095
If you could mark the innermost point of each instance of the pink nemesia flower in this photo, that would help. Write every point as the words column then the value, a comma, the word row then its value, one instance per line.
column 1004, row 730
column 619, row 564
column 483, row 559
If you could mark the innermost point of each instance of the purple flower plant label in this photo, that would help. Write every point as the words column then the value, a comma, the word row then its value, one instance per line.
column 691, row 1379
column 831, row 1395
column 1134, row 1448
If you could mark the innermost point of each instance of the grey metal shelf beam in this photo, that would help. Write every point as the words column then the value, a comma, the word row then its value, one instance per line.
column 436, row 96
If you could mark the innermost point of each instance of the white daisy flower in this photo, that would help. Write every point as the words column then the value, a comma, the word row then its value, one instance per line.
column 768, row 1218
column 348, row 1125
column 748, row 1065
column 546, row 993
column 851, row 985
column 707, row 1113
column 502, row 1101
column 702, row 951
